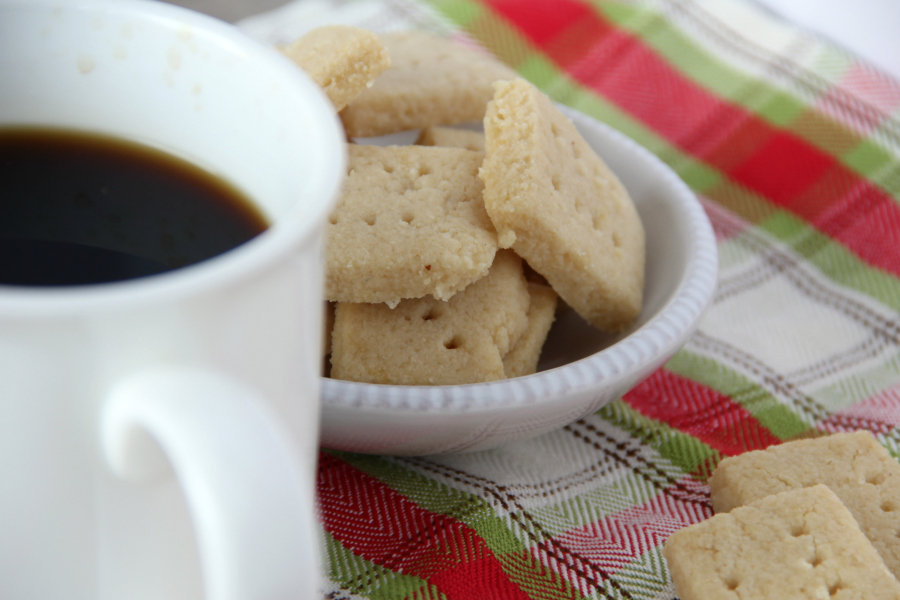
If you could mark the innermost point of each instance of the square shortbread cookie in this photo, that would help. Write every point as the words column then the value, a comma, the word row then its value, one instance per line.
column 410, row 223
column 523, row 358
column 802, row 544
column 432, row 342
column 450, row 137
column 343, row 60
column 431, row 81
column 854, row 465
column 557, row 204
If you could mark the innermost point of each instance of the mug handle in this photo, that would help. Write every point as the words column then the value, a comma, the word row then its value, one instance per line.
column 245, row 490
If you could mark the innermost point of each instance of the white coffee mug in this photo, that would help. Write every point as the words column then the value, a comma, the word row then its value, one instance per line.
column 158, row 436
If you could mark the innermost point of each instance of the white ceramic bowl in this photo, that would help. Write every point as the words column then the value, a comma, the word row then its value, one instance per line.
column 581, row 368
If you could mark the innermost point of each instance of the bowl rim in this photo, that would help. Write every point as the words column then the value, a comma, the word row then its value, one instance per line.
column 651, row 344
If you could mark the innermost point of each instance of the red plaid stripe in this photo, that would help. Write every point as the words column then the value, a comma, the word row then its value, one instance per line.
column 775, row 163
column 386, row 528
column 564, row 30
column 701, row 412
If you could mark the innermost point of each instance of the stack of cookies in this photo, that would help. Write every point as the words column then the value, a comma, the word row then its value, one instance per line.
column 816, row 518
column 444, row 258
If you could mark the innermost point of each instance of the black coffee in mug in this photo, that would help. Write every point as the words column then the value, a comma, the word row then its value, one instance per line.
column 77, row 208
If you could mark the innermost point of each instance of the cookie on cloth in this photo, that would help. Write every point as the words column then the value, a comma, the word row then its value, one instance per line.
column 797, row 545
column 431, row 81
column 432, row 342
column 450, row 137
column 557, row 204
column 410, row 222
column 854, row 465
column 343, row 60
column 523, row 357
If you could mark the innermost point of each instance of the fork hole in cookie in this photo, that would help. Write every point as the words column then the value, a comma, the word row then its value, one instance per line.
column 888, row 505
column 407, row 217
column 798, row 530
column 875, row 478
column 556, row 183
column 732, row 583
column 453, row 343
column 834, row 588
column 369, row 219
column 816, row 560
column 582, row 209
column 333, row 219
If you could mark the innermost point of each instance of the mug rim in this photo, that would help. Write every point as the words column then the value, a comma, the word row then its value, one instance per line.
column 281, row 237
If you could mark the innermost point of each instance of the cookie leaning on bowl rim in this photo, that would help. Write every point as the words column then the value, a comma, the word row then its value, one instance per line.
column 557, row 204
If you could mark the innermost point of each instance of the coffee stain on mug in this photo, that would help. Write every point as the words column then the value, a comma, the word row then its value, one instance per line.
column 173, row 57
column 85, row 64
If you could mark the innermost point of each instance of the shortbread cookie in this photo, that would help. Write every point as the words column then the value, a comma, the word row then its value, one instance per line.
column 343, row 60
column 523, row 358
column 431, row 81
column 802, row 544
column 410, row 223
column 854, row 465
column 557, row 204
column 432, row 342
column 450, row 137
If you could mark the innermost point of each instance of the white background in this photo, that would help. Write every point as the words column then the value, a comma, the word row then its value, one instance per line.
column 868, row 28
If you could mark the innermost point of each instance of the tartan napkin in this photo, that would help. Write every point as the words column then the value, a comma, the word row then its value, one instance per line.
column 793, row 147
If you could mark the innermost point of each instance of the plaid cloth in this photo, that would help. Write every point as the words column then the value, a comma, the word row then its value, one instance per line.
column 793, row 147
